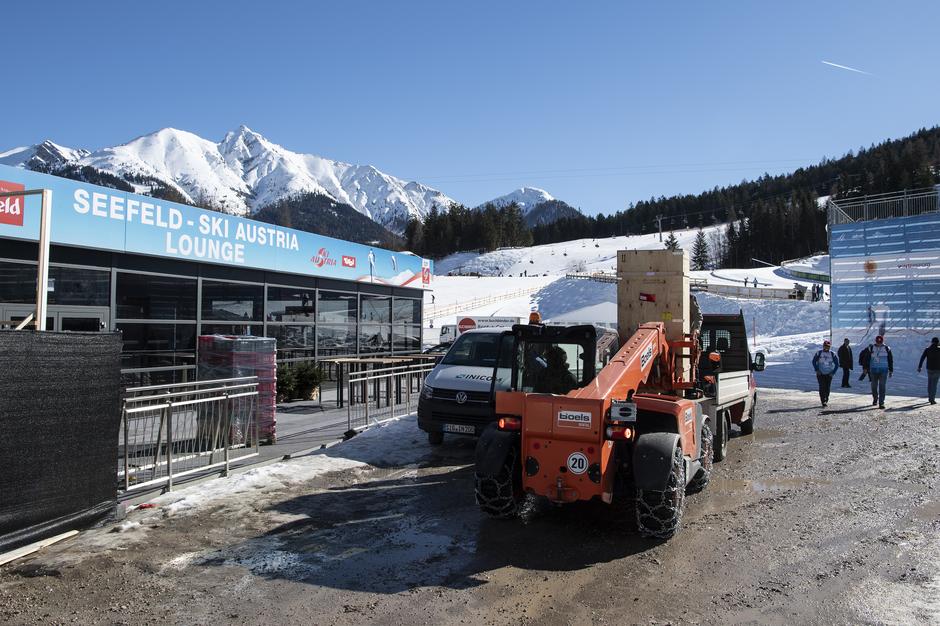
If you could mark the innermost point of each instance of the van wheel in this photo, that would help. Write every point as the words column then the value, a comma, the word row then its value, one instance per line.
column 722, row 428
column 659, row 513
column 701, row 478
column 747, row 428
column 501, row 495
column 435, row 438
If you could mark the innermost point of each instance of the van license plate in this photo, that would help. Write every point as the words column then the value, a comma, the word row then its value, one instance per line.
column 463, row 429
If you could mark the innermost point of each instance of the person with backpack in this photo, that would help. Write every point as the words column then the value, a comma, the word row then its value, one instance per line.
column 845, row 361
column 880, row 368
column 825, row 363
column 932, row 356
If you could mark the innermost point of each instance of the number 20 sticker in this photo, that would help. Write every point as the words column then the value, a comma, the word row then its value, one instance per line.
column 577, row 463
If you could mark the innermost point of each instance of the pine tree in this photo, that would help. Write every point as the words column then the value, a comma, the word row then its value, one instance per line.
column 671, row 242
column 700, row 252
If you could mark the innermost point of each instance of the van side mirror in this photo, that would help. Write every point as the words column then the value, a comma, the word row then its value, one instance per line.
column 758, row 364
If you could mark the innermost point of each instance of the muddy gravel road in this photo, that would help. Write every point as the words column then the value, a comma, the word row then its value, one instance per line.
column 821, row 516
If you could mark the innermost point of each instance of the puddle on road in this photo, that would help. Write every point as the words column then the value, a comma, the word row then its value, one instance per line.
column 765, row 434
column 928, row 512
column 726, row 494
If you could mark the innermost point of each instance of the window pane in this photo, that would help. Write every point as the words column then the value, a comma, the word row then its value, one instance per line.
column 80, row 287
column 375, row 338
column 406, row 338
column 289, row 304
column 406, row 310
column 293, row 342
column 255, row 330
column 232, row 301
column 17, row 283
column 376, row 309
column 336, row 340
column 145, row 297
column 336, row 308
column 158, row 345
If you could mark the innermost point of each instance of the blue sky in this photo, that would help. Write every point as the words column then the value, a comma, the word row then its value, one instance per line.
column 600, row 103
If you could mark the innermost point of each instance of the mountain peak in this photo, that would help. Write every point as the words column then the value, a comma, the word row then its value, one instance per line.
column 526, row 197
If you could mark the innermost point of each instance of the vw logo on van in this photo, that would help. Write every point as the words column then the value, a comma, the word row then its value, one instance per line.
column 461, row 397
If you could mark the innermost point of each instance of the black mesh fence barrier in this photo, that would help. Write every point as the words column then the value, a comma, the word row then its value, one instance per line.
column 60, row 412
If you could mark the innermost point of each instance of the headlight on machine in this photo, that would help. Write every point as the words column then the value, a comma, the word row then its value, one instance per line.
column 427, row 392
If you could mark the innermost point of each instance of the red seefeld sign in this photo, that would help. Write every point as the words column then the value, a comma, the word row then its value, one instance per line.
column 11, row 207
column 349, row 261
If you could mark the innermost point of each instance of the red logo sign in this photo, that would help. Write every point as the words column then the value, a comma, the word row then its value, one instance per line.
column 647, row 297
column 466, row 324
column 11, row 207
column 323, row 258
column 426, row 275
column 349, row 261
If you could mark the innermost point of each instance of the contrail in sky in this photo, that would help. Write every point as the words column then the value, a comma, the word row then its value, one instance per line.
column 846, row 67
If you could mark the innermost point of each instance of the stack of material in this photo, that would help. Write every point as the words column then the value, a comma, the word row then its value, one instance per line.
column 228, row 356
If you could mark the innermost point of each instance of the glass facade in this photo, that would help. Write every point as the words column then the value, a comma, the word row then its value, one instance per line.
column 67, row 286
column 161, row 315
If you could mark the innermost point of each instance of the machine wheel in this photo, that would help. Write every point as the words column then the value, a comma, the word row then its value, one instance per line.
column 722, row 426
column 701, row 478
column 747, row 428
column 501, row 495
column 659, row 513
column 435, row 438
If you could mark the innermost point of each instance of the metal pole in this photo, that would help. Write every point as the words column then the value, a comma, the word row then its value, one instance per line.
column 169, row 446
column 227, row 424
column 42, row 275
column 127, row 478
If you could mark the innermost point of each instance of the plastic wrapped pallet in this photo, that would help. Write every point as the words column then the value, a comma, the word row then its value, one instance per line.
column 235, row 356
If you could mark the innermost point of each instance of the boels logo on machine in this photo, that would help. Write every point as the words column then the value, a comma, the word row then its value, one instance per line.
column 575, row 419
column 11, row 207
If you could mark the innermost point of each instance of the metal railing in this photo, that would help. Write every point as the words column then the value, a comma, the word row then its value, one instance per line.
column 598, row 277
column 433, row 311
column 884, row 205
column 168, row 431
column 379, row 395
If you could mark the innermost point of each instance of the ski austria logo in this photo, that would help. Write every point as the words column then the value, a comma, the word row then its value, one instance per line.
column 323, row 258
column 11, row 207
column 349, row 261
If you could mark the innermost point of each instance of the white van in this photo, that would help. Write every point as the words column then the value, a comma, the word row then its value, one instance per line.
column 456, row 394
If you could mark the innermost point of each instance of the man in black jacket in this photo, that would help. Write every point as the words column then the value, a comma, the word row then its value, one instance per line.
column 932, row 356
column 863, row 358
column 845, row 361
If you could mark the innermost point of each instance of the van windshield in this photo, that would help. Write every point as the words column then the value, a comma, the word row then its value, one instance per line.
column 479, row 350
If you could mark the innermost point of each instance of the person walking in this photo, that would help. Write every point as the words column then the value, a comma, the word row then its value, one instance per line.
column 845, row 362
column 863, row 358
column 880, row 368
column 932, row 356
column 825, row 363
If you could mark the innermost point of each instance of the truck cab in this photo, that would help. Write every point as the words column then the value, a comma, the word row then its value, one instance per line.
column 727, row 367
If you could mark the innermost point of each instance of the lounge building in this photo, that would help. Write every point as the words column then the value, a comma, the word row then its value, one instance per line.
column 164, row 273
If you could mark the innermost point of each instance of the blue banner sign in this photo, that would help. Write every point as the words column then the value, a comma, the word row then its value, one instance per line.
column 885, row 276
column 90, row 216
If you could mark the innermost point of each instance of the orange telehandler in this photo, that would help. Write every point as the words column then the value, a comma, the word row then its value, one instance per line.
column 580, row 416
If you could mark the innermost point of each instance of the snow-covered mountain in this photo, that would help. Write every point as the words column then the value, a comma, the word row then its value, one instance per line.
column 538, row 206
column 241, row 174
column 526, row 197
column 43, row 156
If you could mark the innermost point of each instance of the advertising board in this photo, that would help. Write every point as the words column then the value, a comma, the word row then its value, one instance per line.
column 91, row 216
